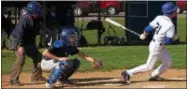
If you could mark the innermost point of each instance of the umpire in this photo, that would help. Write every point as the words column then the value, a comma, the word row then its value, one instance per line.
column 26, row 30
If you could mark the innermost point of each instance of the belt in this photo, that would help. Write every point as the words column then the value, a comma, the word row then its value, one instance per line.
column 155, row 41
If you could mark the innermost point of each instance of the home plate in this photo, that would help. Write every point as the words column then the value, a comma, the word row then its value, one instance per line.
column 112, row 84
column 178, row 78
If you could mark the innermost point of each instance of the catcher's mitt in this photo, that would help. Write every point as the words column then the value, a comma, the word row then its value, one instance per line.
column 97, row 64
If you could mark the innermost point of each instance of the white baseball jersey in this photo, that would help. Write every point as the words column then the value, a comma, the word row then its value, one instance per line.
column 163, row 28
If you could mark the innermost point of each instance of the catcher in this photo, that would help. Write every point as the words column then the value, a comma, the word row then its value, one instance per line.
column 55, row 58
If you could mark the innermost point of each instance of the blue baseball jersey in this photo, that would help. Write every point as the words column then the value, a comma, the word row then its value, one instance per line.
column 60, row 49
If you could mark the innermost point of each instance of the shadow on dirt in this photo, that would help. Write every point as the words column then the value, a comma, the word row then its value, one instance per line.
column 115, row 81
column 165, row 80
column 23, row 84
column 94, row 79
column 31, row 83
column 97, row 81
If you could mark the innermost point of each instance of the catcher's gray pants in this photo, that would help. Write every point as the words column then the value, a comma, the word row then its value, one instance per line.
column 49, row 64
column 32, row 52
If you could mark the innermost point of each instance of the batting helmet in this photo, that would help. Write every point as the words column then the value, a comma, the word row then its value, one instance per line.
column 168, row 8
column 68, row 35
column 34, row 8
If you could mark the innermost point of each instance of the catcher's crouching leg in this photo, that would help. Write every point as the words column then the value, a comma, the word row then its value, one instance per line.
column 56, row 72
column 72, row 66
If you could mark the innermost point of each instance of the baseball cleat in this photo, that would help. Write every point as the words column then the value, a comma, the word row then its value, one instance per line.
column 65, row 83
column 156, row 78
column 52, row 86
column 125, row 77
column 15, row 83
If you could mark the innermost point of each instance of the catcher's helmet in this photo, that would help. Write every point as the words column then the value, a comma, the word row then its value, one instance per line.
column 68, row 35
column 168, row 8
column 34, row 8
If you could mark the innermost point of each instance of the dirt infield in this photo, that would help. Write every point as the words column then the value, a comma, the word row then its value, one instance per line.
column 175, row 78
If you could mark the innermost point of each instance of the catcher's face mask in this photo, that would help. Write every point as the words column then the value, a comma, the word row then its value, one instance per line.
column 72, row 39
column 69, row 36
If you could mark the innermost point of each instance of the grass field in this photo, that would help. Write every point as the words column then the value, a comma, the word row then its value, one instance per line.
column 114, row 57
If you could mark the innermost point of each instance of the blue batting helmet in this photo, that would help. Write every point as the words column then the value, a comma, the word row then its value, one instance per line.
column 68, row 33
column 168, row 8
column 34, row 8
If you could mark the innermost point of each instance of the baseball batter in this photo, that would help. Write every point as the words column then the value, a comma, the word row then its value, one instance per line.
column 164, row 33
column 55, row 58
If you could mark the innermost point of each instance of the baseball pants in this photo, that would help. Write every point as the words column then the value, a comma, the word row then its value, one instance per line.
column 156, row 50
column 32, row 52
column 61, row 70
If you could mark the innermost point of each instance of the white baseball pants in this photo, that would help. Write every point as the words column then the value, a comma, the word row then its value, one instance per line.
column 156, row 50
column 48, row 65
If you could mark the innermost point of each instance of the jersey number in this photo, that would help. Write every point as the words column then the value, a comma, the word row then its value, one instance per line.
column 158, row 28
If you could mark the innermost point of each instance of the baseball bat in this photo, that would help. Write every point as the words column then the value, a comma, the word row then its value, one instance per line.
column 119, row 25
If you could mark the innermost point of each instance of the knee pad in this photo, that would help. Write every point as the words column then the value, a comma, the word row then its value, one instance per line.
column 66, row 65
column 76, row 63
column 69, row 71
column 69, row 64
column 55, row 74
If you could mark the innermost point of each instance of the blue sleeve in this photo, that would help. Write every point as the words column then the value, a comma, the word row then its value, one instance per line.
column 58, row 44
column 168, row 40
column 148, row 29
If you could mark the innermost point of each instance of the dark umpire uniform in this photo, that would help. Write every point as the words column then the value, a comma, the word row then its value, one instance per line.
column 26, row 30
